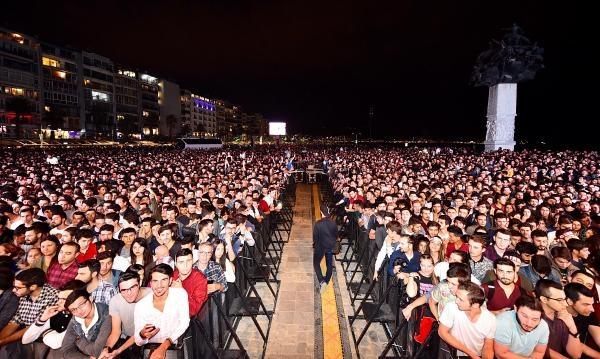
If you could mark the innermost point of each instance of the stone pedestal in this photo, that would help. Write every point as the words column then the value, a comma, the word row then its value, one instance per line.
column 501, row 112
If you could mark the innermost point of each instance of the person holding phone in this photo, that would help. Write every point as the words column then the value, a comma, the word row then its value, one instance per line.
column 164, row 316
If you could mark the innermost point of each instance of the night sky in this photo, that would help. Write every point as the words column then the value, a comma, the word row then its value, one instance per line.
column 319, row 65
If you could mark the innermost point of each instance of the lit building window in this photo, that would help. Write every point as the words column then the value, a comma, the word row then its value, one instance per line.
column 120, row 117
column 86, row 82
column 99, row 96
column 46, row 61
column 146, row 131
column 149, row 79
column 127, row 73
column 18, row 38
column 60, row 74
column 155, row 131
column 145, row 113
column 15, row 91
column 47, row 108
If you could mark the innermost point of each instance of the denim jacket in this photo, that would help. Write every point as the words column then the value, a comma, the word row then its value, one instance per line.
column 77, row 345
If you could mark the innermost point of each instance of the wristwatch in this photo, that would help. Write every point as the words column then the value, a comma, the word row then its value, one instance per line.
column 576, row 335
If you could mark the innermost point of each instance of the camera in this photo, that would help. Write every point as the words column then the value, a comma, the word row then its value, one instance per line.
column 402, row 262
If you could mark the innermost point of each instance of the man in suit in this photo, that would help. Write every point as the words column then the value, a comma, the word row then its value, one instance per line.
column 325, row 234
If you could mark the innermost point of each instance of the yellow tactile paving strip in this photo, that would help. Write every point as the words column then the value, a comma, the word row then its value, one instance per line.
column 332, row 340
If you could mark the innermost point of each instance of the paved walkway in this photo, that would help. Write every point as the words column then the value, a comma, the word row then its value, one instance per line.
column 293, row 329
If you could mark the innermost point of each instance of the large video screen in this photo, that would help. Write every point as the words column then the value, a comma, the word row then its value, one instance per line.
column 277, row 128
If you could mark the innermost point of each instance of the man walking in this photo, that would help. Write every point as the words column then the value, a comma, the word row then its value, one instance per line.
column 325, row 234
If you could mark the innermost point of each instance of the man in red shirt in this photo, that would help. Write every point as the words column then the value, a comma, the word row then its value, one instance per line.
column 503, row 292
column 191, row 279
column 65, row 268
column 87, row 249
column 455, row 241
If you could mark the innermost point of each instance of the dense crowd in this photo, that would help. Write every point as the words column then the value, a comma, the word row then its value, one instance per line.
column 99, row 248
column 499, row 251
column 103, row 251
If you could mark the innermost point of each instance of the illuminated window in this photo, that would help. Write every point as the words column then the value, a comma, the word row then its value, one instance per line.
column 127, row 73
column 146, row 131
column 61, row 74
column 99, row 96
column 46, row 61
column 155, row 131
column 86, row 82
column 47, row 108
column 15, row 91
column 149, row 79
column 145, row 113
column 120, row 117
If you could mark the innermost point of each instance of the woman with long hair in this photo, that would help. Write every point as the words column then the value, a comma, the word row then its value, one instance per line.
column 140, row 253
column 220, row 258
column 436, row 249
column 49, row 248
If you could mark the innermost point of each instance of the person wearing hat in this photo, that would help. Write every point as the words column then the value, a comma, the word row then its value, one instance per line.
column 325, row 234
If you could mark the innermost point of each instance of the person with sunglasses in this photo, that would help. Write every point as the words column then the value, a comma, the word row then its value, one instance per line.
column 89, row 328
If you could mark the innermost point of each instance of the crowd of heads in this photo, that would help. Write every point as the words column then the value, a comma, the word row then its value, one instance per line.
column 510, row 232
column 108, row 226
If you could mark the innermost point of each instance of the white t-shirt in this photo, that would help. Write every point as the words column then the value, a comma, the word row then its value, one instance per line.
column 470, row 334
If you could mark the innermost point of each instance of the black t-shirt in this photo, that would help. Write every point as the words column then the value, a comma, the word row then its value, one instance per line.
column 582, row 322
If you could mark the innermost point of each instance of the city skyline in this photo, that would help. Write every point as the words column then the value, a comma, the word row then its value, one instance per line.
column 321, row 67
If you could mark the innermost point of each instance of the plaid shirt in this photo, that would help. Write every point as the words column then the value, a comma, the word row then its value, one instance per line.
column 29, row 310
column 103, row 293
column 215, row 273
column 57, row 276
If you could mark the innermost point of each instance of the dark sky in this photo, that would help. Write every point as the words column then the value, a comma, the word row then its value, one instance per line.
column 319, row 65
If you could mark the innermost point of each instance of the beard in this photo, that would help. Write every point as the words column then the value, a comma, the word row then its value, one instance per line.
column 506, row 281
column 521, row 325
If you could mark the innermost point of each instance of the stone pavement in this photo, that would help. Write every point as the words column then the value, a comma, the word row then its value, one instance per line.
column 292, row 330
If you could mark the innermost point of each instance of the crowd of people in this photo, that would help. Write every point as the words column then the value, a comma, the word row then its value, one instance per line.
column 100, row 247
column 499, row 251
column 109, row 253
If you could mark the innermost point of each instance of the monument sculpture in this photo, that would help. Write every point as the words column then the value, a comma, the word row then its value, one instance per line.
column 507, row 62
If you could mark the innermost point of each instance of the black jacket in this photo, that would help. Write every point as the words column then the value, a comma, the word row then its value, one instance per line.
column 325, row 233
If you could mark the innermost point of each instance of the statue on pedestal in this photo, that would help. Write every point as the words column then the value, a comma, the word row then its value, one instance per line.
column 507, row 62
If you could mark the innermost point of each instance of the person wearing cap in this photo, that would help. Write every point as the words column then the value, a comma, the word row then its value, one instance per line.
column 325, row 234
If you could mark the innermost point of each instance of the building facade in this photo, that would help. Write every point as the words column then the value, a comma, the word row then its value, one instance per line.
column 127, row 100
column 170, row 102
column 20, row 88
column 98, row 96
column 62, row 89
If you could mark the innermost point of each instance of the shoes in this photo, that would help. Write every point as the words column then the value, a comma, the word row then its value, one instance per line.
column 323, row 287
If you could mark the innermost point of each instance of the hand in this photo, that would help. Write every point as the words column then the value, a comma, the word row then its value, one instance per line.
column 375, row 276
column 49, row 312
column 214, row 287
column 149, row 331
column 105, row 354
column 159, row 353
column 567, row 318
column 177, row 283
column 407, row 312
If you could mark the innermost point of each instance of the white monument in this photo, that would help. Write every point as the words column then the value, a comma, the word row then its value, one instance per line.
column 507, row 62
column 501, row 112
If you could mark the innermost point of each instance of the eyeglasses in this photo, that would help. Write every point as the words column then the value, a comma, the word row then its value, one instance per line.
column 18, row 288
column 79, row 307
column 127, row 290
